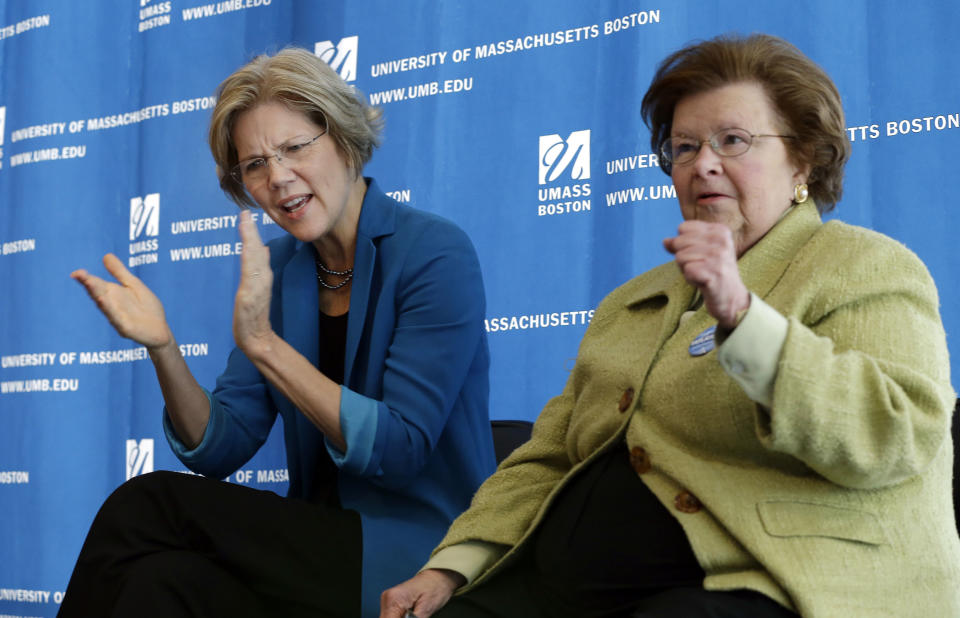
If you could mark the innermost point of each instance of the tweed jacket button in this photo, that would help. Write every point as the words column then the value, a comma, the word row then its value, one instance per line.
column 639, row 460
column 686, row 502
column 626, row 399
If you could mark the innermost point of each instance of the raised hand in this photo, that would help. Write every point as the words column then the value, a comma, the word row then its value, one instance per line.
column 129, row 305
column 251, row 308
column 707, row 257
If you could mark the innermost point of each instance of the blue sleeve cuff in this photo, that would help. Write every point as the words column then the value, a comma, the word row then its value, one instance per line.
column 359, row 421
column 190, row 456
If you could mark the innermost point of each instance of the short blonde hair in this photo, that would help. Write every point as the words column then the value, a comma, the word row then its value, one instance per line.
column 304, row 83
column 803, row 95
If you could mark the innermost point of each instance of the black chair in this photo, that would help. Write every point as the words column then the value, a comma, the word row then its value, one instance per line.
column 508, row 435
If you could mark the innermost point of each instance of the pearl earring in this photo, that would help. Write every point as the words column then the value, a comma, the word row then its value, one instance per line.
column 800, row 193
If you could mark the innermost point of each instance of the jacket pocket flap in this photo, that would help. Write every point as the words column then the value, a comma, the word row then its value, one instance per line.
column 793, row 519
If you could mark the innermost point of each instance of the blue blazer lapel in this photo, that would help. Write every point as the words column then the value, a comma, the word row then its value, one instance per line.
column 300, row 310
column 363, row 261
column 377, row 218
column 300, row 304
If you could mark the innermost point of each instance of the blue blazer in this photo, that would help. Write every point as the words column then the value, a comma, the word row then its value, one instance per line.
column 414, row 400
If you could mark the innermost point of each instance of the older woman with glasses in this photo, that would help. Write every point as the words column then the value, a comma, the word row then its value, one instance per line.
column 759, row 427
column 362, row 328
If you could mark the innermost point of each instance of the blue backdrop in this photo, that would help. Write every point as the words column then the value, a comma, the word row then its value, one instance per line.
column 518, row 120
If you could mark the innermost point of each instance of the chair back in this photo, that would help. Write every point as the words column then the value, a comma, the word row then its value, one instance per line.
column 508, row 435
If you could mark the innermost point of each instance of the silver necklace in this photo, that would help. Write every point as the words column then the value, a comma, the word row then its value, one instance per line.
column 321, row 267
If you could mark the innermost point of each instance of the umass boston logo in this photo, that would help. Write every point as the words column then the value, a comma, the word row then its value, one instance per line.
column 564, row 172
column 139, row 457
column 144, row 229
column 341, row 57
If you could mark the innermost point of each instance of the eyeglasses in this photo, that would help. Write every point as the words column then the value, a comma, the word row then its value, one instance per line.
column 730, row 142
column 253, row 172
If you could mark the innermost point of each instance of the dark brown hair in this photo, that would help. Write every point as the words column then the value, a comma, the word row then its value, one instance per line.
column 803, row 95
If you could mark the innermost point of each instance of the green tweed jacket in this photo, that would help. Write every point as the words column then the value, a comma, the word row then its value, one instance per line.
column 835, row 501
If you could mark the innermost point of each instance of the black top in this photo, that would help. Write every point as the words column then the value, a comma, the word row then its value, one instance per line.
column 333, row 346
column 607, row 541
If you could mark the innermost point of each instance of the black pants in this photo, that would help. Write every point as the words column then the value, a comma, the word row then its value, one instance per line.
column 607, row 548
column 168, row 544
column 519, row 592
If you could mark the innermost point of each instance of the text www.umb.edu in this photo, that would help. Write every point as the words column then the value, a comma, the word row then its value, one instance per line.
column 207, row 251
column 641, row 194
column 219, row 8
column 421, row 90
column 48, row 154
column 39, row 386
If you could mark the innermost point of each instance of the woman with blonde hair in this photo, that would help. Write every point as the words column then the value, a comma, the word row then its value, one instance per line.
column 362, row 328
